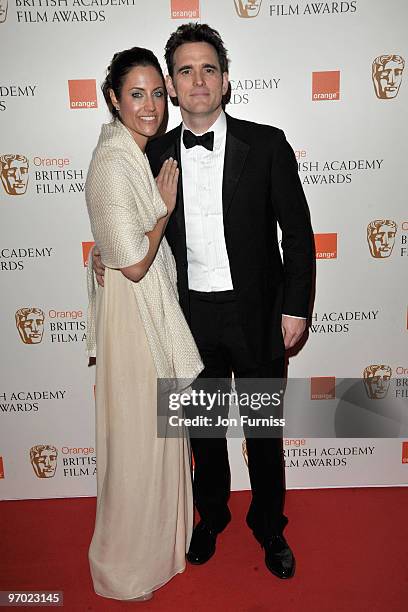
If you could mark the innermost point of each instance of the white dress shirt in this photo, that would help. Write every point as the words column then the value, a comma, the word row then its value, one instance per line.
column 202, row 172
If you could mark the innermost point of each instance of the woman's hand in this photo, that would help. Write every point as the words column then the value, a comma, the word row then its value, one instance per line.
column 98, row 266
column 167, row 183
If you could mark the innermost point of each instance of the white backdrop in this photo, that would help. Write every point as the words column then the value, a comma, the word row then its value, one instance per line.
column 304, row 67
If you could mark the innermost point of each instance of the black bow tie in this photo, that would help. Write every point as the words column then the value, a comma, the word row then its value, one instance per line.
column 191, row 140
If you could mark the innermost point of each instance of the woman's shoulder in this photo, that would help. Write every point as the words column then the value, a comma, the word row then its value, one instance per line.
column 112, row 156
column 115, row 143
column 105, row 163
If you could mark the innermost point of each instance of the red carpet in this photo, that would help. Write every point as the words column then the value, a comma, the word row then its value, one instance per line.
column 350, row 544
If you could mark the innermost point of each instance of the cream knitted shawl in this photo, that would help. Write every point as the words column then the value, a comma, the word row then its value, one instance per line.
column 123, row 204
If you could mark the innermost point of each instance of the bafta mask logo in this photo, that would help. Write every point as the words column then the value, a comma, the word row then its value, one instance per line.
column 3, row 10
column 381, row 237
column 30, row 325
column 43, row 458
column 247, row 8
column 14, row 173
column 387, row 75
column 377, row 380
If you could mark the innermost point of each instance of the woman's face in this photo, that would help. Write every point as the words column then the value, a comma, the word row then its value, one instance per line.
column 142, row 103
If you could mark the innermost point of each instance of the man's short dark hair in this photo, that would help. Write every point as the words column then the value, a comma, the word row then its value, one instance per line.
column 192, row 33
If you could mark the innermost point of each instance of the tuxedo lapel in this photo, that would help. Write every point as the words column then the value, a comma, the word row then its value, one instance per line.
column 236, row 152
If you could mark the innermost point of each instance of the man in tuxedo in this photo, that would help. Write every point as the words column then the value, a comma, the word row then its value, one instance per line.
column 244, row 305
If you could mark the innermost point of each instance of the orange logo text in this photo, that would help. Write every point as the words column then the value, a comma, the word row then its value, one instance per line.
column 405, row 452
column 82, row 93
column 326, row 85
column 326, row 246
column 86, row 247
column 185, row 9
column 322, row 387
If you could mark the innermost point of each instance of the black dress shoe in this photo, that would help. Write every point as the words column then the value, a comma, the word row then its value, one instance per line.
column 202, row 545
column 279, row 558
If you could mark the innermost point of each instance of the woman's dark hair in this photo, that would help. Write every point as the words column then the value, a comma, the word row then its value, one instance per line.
column 121, row 64
column 195, row 32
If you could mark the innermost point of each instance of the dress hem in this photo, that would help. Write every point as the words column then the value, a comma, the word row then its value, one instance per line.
column 146, row 591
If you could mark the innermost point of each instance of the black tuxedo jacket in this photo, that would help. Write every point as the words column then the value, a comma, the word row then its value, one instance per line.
column 261, row 188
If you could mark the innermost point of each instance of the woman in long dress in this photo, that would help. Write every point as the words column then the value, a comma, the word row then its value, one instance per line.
column 138, row 333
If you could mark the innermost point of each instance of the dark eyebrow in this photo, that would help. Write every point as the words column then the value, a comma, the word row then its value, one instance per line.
column 187, row 66
column 183, row 68
column 142, row 89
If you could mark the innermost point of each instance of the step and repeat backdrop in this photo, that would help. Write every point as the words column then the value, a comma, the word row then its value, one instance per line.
column 333, row 76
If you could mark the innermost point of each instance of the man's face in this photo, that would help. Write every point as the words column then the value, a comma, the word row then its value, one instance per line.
column 14, row 177
column 197, row 81
column 388, row 79
column 45, row 463
column 382, row 241
column 377, row 385
column 3, row 10
column 31, row 328
column 247, row 8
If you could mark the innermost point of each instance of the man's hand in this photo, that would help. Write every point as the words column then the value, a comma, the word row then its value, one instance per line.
column 292, row 330
column 98, row 266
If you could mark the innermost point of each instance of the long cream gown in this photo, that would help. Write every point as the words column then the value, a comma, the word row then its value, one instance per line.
column 144, row 507
column 144, row 510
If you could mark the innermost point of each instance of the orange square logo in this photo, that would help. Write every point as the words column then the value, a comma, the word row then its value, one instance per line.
column 326, row 246
column 86, row 247
column 1, row 468
column 322, row 387
column 405, row 452
column 82, row 93
column 185, row 9
column 326, row 85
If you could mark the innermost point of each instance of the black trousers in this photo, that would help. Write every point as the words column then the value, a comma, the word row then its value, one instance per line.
column 218, row 334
